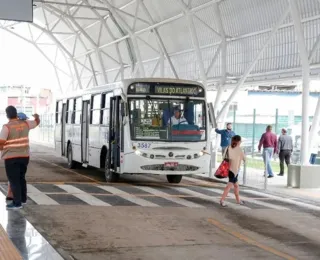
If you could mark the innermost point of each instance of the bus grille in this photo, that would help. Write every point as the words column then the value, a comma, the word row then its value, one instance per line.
column 160, row 167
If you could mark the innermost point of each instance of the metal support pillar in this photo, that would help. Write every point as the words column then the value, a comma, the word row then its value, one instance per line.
column 234, row 120
column 253, row 63
column 253, row 131
column 305, row 80
column 315, row 125
column 276, row 123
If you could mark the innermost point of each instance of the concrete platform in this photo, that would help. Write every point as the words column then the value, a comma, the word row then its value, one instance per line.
column 144, row 217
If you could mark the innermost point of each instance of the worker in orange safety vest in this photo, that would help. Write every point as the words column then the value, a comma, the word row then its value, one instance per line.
column 14, row 143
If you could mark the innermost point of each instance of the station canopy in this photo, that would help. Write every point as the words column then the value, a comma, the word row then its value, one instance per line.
column 94, row 42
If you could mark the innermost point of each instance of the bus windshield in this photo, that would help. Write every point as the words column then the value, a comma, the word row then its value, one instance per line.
column 168, row 119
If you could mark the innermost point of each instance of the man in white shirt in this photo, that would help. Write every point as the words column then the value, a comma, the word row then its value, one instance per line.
column 177, row 118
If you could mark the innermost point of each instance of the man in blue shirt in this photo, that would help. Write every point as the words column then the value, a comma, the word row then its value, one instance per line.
column 226, row 136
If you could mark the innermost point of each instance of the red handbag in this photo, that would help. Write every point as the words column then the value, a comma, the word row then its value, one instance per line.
column 223, row 169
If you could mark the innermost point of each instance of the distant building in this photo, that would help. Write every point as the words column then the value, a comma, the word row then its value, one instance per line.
column 24, row 100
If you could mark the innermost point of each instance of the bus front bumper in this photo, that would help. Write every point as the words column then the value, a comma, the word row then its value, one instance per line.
column 135, row 164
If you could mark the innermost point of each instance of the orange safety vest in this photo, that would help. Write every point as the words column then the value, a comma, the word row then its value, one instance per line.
column 17, row 144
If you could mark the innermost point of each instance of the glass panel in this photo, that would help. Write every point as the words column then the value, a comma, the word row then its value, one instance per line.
column 96, row 102
column 107, row 99
column 168, row 120
column 105, row 118
column 70, row 110
column 78, row 104
column 95, row 119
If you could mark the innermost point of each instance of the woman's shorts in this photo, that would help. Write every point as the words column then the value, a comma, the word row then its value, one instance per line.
column 232, row 177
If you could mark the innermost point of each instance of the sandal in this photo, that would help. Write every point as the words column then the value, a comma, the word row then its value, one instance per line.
column 242, row 202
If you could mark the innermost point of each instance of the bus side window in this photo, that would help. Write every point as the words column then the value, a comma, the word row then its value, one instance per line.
column 73, row 113
column 105, row 108
column 95, row 110
column 70, row 108
column 78, row 111
column 58, row 112
column 67, row 112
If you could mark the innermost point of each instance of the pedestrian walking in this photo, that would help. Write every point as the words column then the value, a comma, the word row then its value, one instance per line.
column 235, row 155
column 285, row 148
column 14, row 140
column 226, row 136
column 269, row 142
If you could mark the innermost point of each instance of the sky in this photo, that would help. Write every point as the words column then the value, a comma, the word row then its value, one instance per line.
column 22, row 63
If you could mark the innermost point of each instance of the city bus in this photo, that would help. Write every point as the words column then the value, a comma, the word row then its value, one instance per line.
column 136, row 126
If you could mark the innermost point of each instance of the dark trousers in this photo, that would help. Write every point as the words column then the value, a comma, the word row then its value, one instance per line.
column 16, row 169
column 284, row 155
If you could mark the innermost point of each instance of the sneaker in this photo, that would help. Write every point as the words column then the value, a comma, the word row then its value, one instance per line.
column 223, row 204
column 241, row 202
column 9, row 199
column 13, row 206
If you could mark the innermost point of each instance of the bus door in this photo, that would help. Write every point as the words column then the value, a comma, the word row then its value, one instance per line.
column 114, row 134
column 85, row 131
column 63, row 128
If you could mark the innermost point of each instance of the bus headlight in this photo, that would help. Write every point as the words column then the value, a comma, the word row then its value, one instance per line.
column 137, row 152
column 197, row 155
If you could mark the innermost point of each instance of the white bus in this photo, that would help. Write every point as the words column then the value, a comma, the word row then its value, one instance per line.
column 137, row 126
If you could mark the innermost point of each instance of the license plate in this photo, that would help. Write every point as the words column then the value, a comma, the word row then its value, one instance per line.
column 171, row 164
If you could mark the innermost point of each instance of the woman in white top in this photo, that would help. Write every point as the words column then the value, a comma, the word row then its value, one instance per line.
column 235, row 156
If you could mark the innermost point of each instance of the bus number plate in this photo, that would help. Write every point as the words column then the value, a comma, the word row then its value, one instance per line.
column 144, row 145
column 171, row 164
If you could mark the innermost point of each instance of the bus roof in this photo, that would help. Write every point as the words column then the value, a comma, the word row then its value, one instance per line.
column 125, row 84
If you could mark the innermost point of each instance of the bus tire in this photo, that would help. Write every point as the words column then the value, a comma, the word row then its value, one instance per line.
column 108, row 174
column 71, row 163
column 174, row 178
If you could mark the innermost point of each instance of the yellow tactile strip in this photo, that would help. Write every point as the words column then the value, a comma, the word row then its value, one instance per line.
column 7, row 249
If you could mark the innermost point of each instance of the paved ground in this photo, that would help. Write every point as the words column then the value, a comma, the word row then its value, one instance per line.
column 144, row 217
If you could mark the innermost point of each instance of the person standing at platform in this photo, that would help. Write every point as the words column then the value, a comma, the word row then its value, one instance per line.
column 269, row 142
column 226, row 136
column 14, row 140
column 285, row 148
column 9, row 197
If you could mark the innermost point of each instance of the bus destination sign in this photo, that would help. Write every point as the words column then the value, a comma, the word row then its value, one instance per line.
column 165, row 89
column 176, row 90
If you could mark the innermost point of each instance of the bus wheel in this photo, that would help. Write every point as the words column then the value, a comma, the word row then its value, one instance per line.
column 174, row 178
column 71, row 163
column 109, row 175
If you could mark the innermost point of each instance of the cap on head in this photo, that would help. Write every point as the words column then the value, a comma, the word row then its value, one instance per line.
column 11, row 112
column 22, row 116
